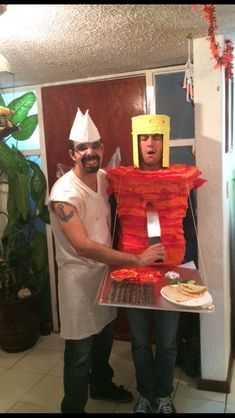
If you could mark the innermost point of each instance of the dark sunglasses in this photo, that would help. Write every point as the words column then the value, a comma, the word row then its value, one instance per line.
column 85, row 145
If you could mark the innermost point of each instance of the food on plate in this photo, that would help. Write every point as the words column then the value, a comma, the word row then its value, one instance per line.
column 183, row 292
column 174, row 278
column 123, row 274
column 173, row 293
column 172, row 275
column 192, row 290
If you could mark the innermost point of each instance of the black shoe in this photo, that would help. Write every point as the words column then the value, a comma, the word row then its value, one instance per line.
column 143, row 406
column 164, row 406
column 111, row 392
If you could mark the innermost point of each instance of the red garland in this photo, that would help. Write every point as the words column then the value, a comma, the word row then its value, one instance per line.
column 225, row 60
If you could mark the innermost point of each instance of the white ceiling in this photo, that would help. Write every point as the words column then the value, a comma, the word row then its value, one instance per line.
column 54, row 43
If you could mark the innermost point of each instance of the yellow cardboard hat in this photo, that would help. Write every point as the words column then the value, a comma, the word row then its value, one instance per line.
column 151, row 124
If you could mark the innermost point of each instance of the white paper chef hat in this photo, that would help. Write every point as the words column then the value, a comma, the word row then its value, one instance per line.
column 84, row 129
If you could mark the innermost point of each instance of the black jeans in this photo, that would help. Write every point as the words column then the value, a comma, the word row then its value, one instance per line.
column 154, row 371
column 86, row 361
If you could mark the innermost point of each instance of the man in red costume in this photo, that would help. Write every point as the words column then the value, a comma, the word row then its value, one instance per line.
column 167, row 188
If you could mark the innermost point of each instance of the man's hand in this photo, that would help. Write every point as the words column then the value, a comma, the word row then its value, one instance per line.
column 151, row 254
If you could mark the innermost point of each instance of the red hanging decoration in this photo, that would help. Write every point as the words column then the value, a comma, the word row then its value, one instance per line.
column 225, row 58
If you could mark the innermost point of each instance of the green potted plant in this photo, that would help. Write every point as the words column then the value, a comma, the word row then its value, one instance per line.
column 23, row 245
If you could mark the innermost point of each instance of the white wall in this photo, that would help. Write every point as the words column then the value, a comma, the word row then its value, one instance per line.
column 213, row 210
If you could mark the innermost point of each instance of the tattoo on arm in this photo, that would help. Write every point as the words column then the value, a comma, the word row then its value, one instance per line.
column 62, row 215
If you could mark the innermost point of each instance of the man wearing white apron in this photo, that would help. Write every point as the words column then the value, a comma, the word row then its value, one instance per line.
column 80, row 220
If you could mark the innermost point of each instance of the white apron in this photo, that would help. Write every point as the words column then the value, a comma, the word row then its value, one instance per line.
column 79, row 278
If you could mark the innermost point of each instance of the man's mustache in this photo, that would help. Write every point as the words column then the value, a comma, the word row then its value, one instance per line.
column 84, row 159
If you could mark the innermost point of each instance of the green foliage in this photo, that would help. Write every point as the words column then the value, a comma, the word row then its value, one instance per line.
column 20, row 108
column 27, row 128
column 2, row 103
column 23, row 261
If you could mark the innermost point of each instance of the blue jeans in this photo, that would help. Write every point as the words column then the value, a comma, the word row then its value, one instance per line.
column 154, row 371
column 86, row 361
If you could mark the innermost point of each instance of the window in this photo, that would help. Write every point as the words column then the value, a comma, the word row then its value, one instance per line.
column 171, row 100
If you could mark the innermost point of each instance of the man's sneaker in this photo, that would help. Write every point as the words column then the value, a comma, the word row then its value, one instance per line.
column 143, row 406
column 111, row 392
column 164, row 406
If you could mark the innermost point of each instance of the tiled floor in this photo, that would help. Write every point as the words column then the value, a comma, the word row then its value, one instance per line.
column 31, row 382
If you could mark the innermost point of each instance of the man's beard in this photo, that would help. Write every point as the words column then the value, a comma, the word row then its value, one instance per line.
column 90, row 169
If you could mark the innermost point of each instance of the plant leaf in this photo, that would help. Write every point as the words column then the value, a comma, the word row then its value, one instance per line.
column 27, row 127
column 2, row 103
column 38, row 246
column 38, row 185
column 6, row 161
column 21, row 191
column 44, row 214
column 21, row 106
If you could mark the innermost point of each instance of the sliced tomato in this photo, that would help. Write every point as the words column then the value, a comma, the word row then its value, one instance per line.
column 138, row 274
column 147, row 274
column 122, row 274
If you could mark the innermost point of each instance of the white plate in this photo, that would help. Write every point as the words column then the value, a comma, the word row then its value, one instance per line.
column 203, row 302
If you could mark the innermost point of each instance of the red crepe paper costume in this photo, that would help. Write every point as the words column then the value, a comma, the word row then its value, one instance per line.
column 168, row 190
